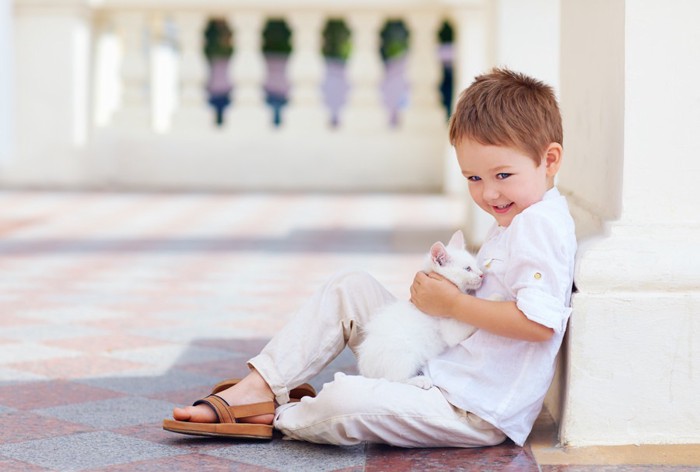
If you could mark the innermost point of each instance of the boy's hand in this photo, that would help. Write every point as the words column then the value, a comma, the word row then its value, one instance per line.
column 433, row 294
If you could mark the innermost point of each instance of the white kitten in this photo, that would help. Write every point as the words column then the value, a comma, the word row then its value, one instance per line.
column 400, row 339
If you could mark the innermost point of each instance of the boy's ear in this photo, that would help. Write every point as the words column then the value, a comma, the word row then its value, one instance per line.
column 552, row 158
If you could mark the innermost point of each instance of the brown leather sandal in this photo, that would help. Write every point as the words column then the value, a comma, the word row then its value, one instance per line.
column 295, row 394
column 229, row 420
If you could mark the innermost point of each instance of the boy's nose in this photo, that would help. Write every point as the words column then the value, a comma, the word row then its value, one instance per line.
column 490, row 193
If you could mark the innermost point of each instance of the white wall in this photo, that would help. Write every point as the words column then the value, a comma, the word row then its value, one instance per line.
column 6, row 70
column 631, row 109
column 527, row 37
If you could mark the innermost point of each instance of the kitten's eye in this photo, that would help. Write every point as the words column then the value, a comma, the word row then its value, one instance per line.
column 468, row 269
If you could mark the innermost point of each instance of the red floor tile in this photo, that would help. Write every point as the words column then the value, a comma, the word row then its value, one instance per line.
column 194, row 462
column 11, row 465
column 506, row 457
column 35, row 395
column 27, row 426
column 77, row 367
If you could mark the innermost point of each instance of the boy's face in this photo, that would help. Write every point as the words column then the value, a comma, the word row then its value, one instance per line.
column 504, row 181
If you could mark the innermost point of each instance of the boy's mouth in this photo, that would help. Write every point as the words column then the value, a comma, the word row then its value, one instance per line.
column 500, row 209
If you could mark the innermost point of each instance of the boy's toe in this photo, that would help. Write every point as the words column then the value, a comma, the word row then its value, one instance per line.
column 195, row 414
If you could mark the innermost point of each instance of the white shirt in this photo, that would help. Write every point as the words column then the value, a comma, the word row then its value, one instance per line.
column 531, row 261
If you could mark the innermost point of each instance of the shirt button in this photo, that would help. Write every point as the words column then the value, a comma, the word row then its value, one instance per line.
column 538, row 276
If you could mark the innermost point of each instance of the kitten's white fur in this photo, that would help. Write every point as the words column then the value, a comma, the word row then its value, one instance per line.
column 400, row 339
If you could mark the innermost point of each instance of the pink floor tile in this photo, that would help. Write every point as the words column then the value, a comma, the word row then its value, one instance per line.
column 11, row 320
column 11, row 465
column 77, row 367
column 98, row 344
column 34, row 395
column 249, row 346
column 506, row 457
column 27, row 426
column 132, row 323
column 266, row 326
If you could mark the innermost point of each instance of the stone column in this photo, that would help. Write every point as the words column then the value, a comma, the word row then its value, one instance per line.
column 306, row 67
column 7, row 61
column 248, row 111
column 51, row 80
column 193, row 112
column 135, row 109
column 631, row 108
column 424, row 112
column 364, row 110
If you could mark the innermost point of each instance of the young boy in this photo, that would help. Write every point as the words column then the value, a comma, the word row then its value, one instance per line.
column 506, row 129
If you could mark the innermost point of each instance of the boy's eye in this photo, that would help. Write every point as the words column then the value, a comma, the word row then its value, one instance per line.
column 473, row 178
column 503, row 175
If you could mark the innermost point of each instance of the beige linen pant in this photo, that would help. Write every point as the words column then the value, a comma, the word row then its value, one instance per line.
column 353, row 409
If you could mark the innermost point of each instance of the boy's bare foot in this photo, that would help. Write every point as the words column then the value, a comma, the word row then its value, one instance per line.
column 251, row 389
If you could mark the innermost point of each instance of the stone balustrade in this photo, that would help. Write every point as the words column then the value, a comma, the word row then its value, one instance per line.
column 151, row 124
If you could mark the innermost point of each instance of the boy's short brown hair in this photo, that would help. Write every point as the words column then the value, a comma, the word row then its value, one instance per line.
column 506, row 108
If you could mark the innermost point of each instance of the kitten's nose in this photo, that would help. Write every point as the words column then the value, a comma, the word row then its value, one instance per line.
column 481, row 276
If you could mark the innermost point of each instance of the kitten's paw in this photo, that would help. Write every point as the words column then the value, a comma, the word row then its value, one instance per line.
column 420, row 381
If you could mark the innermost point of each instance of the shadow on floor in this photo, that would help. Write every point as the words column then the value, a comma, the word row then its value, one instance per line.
column 340, row 241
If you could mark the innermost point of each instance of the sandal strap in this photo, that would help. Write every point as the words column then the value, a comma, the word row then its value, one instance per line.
column 253, row 409
column 226, row 413
column 303, row 390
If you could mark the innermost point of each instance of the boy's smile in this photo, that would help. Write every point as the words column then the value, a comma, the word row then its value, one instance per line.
column 504, row 181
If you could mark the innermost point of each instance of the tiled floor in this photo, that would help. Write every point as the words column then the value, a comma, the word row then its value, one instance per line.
column 116, row 307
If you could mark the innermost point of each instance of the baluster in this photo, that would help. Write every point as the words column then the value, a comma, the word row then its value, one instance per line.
column 193, row 111
column 247, row 68
column 162, row 75
column 306, row 68
column 364, row 109
column 135, row 107
column 424, row 68
column 106, row 76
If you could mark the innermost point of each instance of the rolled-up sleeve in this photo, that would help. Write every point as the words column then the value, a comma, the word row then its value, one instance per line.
column 540, row 272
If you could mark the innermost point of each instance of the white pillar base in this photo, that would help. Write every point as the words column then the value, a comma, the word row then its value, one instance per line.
column 626, row 385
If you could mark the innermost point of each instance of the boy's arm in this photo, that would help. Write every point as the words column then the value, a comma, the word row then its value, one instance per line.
column 436, row 296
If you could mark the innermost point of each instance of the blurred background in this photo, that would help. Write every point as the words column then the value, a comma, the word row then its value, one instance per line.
column 244, row 95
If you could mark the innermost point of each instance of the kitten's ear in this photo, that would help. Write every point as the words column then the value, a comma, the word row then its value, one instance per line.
column 457, row 240
column 438, row 254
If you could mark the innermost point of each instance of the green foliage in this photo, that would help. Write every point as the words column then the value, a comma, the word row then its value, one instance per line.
column 394, row 39
column 218, row 39
column 446, row 33
column 336, row 40
column 277, row 37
